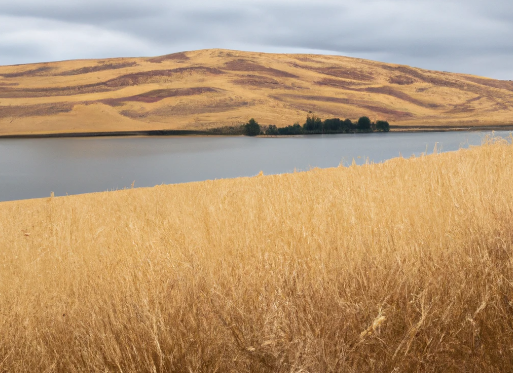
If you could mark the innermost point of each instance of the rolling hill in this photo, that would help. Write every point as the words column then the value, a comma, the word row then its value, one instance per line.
column 204, row 89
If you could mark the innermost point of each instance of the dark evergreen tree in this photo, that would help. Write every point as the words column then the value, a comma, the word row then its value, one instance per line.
column 332, row 125
column 313, row 124
column 347, row 126
column 296, row 129
column 252, row 128
column 382, row 125
column 364, row 124
column 272, row 130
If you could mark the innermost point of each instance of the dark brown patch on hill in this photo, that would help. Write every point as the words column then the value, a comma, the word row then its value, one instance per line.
column 309, row 59
column 346, row 73
column 475, row 99
column 260, row 82
column 459, row 109
column 339, row 72
column 245, row 65
column 392, row 114
column 158, row 95
column 466, row 108
column 406, row 71
column 478, row 86
column 40, row 71
column 492, row 104
column 8, row 92
column 153, row 76
column 35, row 110
column 219, row 106
column 499, row 84
column 435, row 80
column 401, row 80
column 8, row 84
column 93, row 69
column 389, row 91
column 339, row 83
column 384, row 90
column 169, row 57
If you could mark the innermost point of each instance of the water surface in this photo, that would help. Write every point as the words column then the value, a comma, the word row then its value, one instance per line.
column 33, row 168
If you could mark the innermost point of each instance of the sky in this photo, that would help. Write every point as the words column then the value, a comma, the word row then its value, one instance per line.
column 466, row 36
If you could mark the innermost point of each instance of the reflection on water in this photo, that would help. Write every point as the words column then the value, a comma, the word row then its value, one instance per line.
column 33, row 168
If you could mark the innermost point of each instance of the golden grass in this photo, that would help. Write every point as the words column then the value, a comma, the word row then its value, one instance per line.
column 404, row 266
column 275, row 89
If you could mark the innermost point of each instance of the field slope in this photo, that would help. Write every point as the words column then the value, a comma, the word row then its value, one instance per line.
column 405, row 266
column 212, row 88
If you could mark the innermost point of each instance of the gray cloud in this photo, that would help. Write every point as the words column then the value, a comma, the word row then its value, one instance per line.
column 88, row 12
column 470, row 36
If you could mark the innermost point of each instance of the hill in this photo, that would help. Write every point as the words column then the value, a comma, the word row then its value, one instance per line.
column 213, row 88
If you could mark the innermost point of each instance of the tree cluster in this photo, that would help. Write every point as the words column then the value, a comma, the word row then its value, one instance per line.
column 315, row 125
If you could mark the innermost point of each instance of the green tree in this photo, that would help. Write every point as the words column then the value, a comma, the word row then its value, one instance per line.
column 252, row 128
column 313, row 124
column 296, row 129
column 346, row 126
column 332, row 125
column 364, row 124
column 272, row 130
column 382, row 125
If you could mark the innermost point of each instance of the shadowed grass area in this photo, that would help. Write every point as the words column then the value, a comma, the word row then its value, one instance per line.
column 404, row 266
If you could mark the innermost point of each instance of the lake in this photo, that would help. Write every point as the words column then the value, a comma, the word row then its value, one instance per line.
column 33, row 168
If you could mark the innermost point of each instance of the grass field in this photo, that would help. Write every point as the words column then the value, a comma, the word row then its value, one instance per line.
column 404, row 266
column 204, row 89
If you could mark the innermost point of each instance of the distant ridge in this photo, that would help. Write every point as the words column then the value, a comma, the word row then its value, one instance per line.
column 199, row 90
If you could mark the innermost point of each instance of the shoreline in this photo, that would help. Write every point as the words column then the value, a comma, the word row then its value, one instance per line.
column 149, row 133
column 496, row 127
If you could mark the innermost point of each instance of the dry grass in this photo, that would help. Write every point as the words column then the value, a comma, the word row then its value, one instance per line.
column 404, row 266
column 224, row 88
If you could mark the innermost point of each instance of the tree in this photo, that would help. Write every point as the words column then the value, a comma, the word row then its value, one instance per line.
column 346, row 125
column 272, row 130
column 383, row 126
column 332, row 125
column 252, row 128
column 313, row 124
column 296, row 129
column 364, row 124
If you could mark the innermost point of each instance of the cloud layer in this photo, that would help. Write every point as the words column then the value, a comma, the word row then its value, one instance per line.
column 471, row 36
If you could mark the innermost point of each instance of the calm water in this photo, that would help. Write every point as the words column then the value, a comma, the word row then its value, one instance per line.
column 33, row 168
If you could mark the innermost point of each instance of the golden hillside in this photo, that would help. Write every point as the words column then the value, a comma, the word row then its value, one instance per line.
column 212, row 88
column 404, row 266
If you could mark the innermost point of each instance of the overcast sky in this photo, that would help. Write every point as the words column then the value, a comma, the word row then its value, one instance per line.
column 470, row 36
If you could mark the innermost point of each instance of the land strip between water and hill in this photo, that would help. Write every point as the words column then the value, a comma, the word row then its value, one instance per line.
column 220, row 132
column 202, row 90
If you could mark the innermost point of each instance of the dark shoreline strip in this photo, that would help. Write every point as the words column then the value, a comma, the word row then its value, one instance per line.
column 497, row 127
column 112, row 133
column 394, row 128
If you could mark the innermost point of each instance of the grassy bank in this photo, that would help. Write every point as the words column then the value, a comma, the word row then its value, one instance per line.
column 403, row 266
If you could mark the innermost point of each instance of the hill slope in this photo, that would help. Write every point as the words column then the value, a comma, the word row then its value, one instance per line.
column 213, row 88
